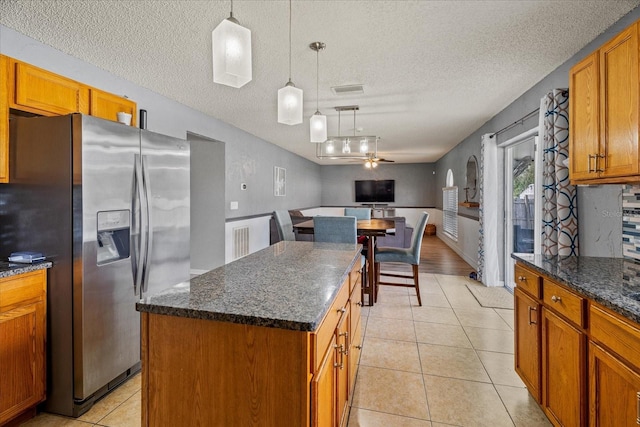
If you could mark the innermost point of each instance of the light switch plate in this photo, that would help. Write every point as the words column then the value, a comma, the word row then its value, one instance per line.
column 233, row 206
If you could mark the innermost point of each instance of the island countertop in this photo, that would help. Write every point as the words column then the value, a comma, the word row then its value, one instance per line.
column 8, row 269
column 611, row 282
column 289, row 285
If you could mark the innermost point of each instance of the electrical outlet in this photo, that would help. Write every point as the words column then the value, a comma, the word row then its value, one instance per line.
column 233, row 206
column 243, row 186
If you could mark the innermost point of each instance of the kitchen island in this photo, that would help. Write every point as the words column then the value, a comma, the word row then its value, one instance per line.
column 577, row 337
column 270, row 339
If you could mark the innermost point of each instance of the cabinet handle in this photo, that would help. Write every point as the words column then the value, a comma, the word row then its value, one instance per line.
column 638, row 408
column 556, row 299
column 341, row 352
column 531, row 322
column 359, row 347
column 359, row 303
column 335, row 364
column 598, row 157
column 522, row 279
column 592, row 156
column 342, row 310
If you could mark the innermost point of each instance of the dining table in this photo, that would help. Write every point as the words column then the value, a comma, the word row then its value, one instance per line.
column 371, row 228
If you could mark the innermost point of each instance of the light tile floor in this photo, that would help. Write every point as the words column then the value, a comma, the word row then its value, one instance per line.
column 447, row 363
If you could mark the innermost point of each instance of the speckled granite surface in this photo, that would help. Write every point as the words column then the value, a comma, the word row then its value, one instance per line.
column 611, row 282
column 289, row 285
column 11, row 269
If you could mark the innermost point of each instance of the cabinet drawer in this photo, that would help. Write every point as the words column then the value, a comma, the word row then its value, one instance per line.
column 620, row 335
column 527, row 280
column 325, row 332
column 22, row 289
column 355, row 277
column 564, row 302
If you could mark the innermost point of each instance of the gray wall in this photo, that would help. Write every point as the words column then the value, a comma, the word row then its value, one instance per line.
column 414, row 184
column 595, row 204
column 207, row 202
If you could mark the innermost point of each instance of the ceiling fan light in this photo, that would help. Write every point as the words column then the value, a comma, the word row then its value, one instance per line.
column 367, row 164
column 374, row 164
column 231, row 54
column 290, row 105
column 318, row 128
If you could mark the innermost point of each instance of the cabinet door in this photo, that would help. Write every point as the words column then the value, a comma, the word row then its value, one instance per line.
column 584, row 114
column 564, row 373
column 22, row 383
column 42, row 92
column 527, row 341
column 613, row 390
column 106, row 106
column 4, row 118
column 342, row 371
column 620, row 94
column 323, row 389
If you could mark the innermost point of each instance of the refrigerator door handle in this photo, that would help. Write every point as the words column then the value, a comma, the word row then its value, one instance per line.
column 138, row 220
column 146, row 267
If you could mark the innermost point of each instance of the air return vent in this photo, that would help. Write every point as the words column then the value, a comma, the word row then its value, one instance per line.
column 240, row 242
column 348, row 90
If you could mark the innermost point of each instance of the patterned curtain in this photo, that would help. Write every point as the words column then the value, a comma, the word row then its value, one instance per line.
column 559, row 198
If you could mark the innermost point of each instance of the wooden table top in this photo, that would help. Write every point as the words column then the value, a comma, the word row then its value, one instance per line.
column 365, row 226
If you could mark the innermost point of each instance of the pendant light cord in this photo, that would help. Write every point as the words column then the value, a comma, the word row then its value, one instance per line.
column 289, row 40
column 317, row 78
column 231, row 9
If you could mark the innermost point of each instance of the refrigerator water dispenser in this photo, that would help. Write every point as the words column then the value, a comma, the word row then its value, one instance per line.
column 113, row 236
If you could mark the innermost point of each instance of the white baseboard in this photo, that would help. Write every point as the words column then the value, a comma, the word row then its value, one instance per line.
column 447, row 241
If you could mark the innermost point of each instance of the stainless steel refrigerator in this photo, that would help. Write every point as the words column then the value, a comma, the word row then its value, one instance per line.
column 109, row 205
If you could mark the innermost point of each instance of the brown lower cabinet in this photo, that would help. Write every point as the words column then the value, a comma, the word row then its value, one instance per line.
column 22, row 343
column 563, row 367
column 589, row 355
column 210, row 373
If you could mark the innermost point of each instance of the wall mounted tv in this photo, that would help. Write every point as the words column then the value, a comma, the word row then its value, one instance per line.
column 375, row 191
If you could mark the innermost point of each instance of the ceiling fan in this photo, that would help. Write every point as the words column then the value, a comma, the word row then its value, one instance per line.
column 372, row 160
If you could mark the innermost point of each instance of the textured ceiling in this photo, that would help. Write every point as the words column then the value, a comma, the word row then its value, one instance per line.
column 433, row 71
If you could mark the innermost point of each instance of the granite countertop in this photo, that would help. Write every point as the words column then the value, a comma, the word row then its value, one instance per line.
column 8, row 269
column 611, row 282
column 289, row 285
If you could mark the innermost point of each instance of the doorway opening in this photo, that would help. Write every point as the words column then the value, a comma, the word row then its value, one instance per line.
column 522, row 199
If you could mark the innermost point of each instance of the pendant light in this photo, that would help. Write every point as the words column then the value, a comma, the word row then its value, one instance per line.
column 231, row 53
column 318, row 122
column 290, row 97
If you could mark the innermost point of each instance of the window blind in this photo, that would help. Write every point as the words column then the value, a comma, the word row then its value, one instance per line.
column 450, row 211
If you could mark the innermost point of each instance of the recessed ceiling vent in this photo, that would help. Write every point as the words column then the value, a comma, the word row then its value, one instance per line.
column 348, row 90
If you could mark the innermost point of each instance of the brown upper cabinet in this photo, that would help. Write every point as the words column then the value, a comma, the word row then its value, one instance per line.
column 604, row 97
column 107, row 105
column 29, row 90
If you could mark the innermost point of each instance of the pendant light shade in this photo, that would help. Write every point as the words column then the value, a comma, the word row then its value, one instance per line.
column 318, row 122
column 318, row 128
column 231, row 53
column 290, row 105
column 290, row 97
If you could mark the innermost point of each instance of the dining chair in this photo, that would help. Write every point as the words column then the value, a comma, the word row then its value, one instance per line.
column 335, row 229
column 359, row 213
column 409, row 255
column 284, row 224
column 339, row 229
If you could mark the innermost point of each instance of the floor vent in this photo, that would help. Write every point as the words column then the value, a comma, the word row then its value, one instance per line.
column 240, row 242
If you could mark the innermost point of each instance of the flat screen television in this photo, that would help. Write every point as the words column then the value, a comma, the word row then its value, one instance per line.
column 375, row 191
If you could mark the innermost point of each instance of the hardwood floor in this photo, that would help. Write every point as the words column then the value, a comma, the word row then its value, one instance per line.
column 435, row 258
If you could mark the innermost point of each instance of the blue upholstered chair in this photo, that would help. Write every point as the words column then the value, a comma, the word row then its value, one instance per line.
column 335, row 229
column 359, row 213
column 409, row 255
column 284, row 224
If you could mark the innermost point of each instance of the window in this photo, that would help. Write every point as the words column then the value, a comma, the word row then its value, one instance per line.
column 450, row 208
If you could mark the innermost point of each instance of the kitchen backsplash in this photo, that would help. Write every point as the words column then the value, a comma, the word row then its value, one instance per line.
column 631, row 221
